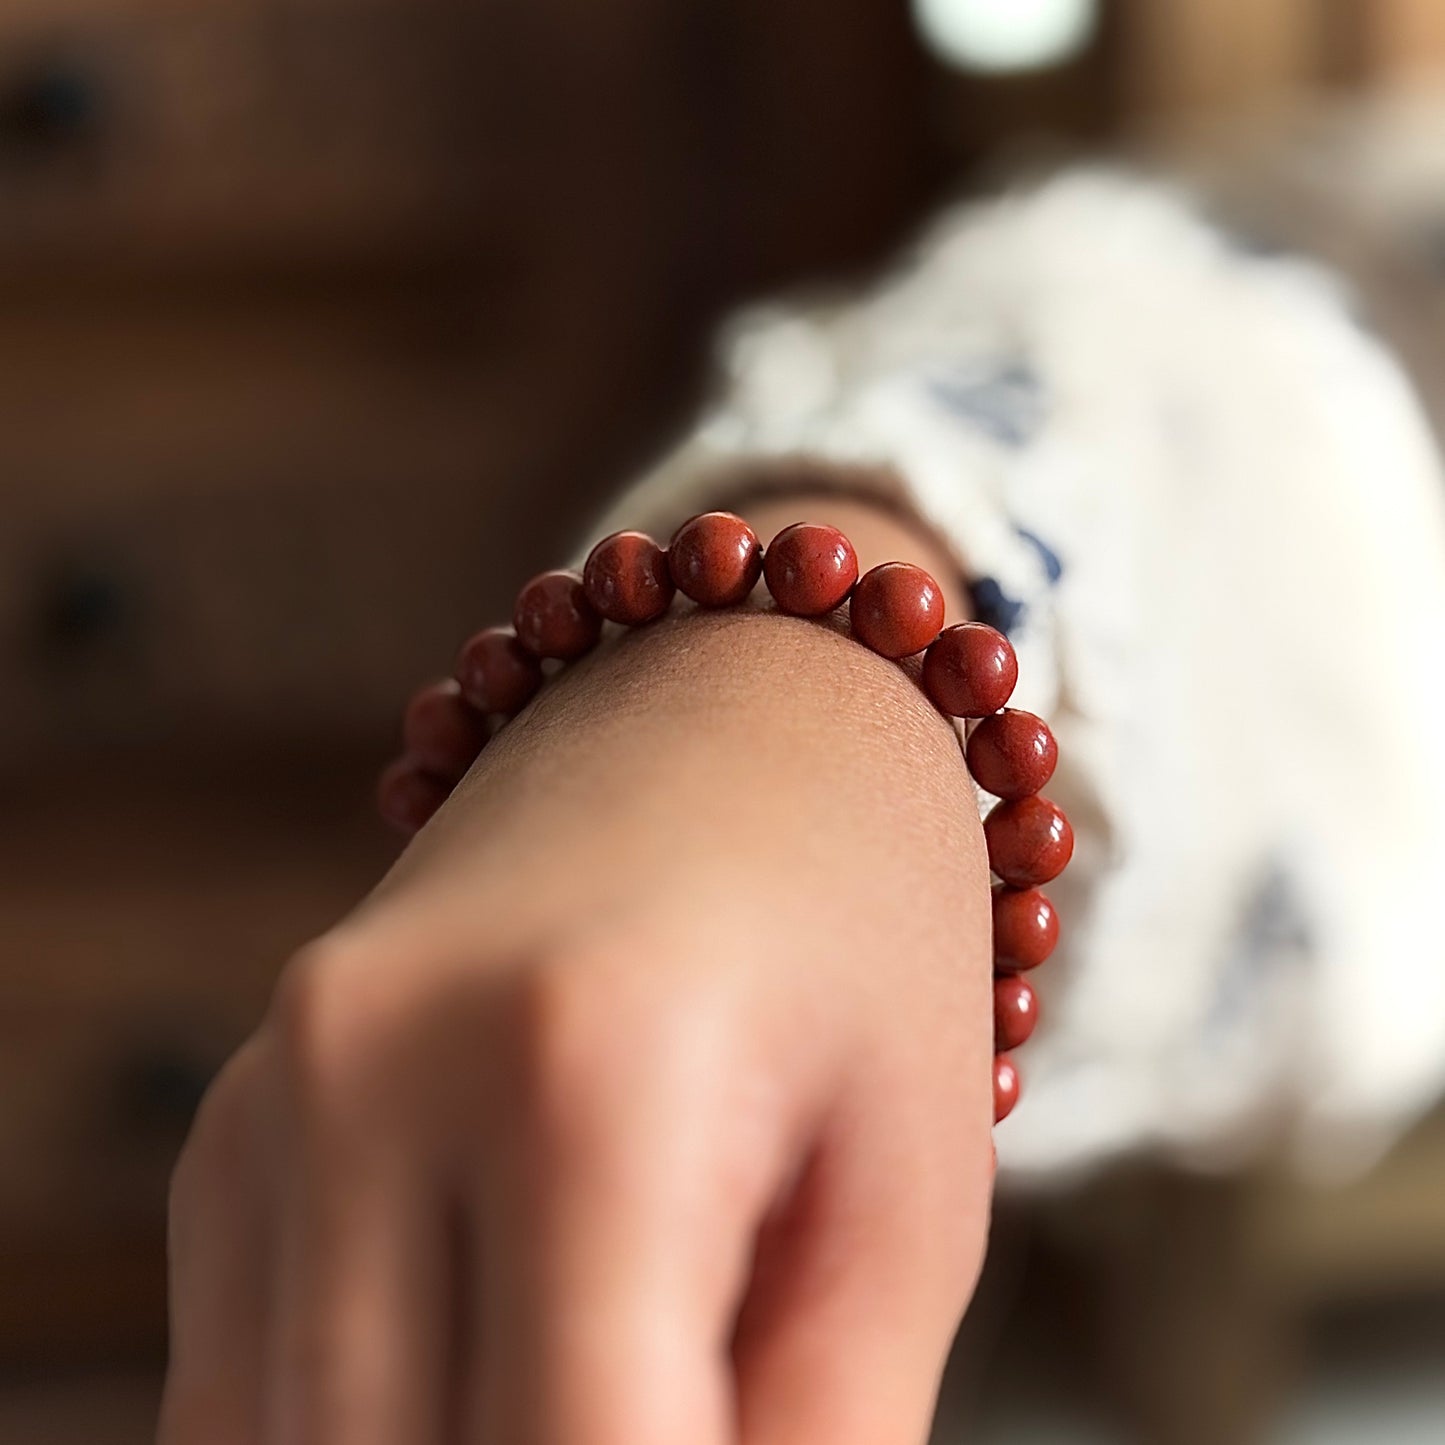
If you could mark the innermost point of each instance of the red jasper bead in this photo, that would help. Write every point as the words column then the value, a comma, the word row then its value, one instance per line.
column 553, row 617
column 1005, row 1087
column 1029, row 841
column 496, row 673
column 1015, row 1013
column 1012, row 754
column 810, row 569
column 407, row 795
column 970, row 671
column 896, row 609
column 627, row 580
column 441, row 733
column 1025, row 929
column 716, row 559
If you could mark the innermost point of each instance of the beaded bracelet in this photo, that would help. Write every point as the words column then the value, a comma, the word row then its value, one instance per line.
column 969, row 671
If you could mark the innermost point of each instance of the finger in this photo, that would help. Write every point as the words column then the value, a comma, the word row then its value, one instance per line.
column 358, row 1353
column 591, row 1333
column 614, row 1243
column 219, row 1238
column 859, row 1284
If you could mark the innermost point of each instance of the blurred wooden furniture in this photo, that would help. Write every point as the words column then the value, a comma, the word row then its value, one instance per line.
column 145, row 906
column 1358, row 184
column 1162, row 1307
column 305, row 306
column 1209, row 1291
column 1183, row 57
column 113, row 1408
column 1403, row 37
column 1192, row 55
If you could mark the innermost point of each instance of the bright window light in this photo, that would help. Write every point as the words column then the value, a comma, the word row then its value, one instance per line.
column 999, row 36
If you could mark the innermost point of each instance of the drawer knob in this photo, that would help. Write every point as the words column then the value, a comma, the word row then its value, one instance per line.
column 159, row 1090
column 83, row 605
column 49, row 107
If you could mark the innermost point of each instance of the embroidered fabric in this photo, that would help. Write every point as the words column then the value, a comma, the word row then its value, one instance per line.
column 1206, row 508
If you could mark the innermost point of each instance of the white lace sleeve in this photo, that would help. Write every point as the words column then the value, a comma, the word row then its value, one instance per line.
column 1206, row 508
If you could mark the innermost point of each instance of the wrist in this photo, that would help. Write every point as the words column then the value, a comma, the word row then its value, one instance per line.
column 804, row 787
column 704, row 743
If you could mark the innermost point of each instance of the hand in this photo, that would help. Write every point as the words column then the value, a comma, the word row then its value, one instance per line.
column 647, row 1101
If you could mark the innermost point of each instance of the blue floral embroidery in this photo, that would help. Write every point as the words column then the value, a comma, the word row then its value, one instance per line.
column 1053, row 568
column 1006, row 402
column 991, row 604
column 1274, row 933
column 1252, row 244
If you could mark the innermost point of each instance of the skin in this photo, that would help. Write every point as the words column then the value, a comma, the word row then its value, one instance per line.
column 648, row 1098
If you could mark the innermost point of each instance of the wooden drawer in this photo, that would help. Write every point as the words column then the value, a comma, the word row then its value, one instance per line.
column 93, row 1109
column 254, row 523
column 143, row 919
column 236, row 133
column 248, row 504
column 234, row 622
column 101, row 1407
column 144, row 913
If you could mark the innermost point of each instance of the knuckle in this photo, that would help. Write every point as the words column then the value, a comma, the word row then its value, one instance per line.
column 562, row 1029
column 594, row 1038
column 321, row 1027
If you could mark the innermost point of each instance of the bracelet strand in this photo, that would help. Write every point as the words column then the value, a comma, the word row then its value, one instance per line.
column 810, row 570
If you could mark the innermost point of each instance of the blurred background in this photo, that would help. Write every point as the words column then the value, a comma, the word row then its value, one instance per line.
column 323, row 323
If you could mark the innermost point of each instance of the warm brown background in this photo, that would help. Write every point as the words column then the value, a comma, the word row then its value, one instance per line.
column 322, row 323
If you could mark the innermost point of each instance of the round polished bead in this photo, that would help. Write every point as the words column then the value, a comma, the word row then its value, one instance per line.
column 497, row 674
column 970, row 671
column 1025, row 929
column 441, row 731
column 1029, row 841
column 553, row 617
column 407, row 795
column 896, row 609
column 1005, row 1087
column 627, row 579
column 810, row 569
column 715, row 559
column 1015, row 1013
column 1012, row 754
